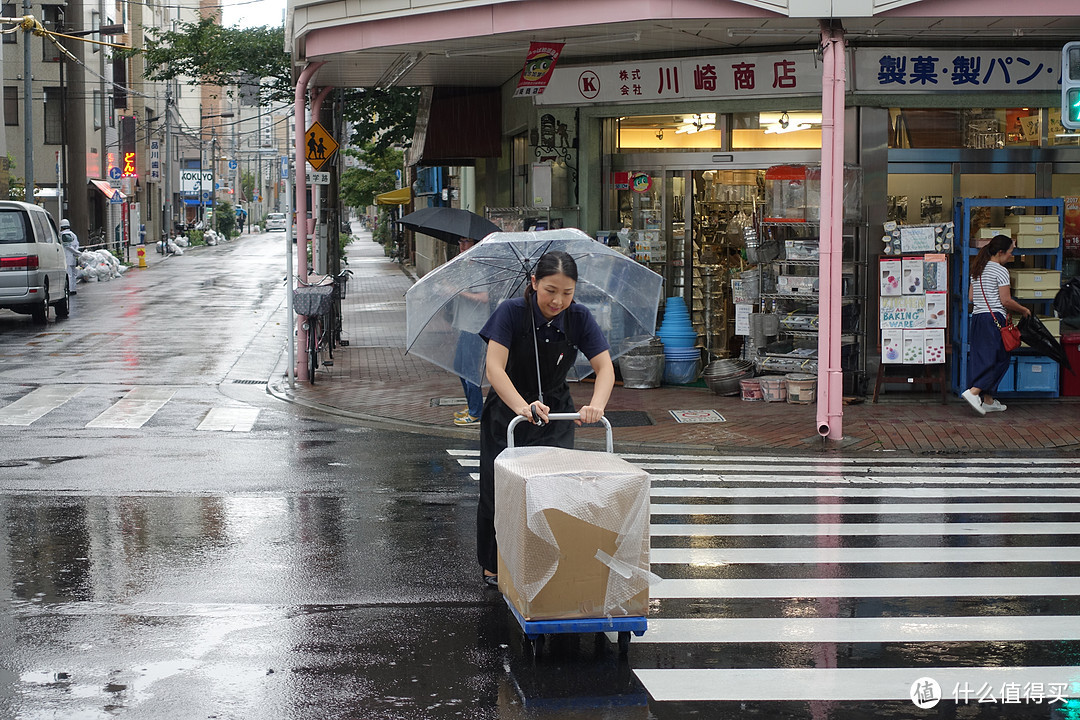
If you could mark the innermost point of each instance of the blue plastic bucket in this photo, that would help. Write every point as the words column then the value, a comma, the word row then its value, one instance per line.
column 679, row 340
column 681, row 372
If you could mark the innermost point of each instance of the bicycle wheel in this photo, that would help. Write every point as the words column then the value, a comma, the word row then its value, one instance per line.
column 312, row 347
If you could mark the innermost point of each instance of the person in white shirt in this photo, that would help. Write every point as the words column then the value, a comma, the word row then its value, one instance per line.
column 990, row 297
column 70, row 241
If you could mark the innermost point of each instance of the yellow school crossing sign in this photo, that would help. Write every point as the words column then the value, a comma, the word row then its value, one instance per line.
column 320, row 146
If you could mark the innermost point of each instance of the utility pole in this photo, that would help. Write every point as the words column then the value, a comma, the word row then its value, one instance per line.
column 167, row 169
column 28, row 108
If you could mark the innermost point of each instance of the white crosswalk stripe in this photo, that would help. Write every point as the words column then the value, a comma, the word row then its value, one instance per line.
column 985, row 534
column 51, row 405
column 37, row 403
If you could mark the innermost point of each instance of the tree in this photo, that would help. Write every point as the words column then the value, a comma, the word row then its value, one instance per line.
column 359, row 186
column 207, row 53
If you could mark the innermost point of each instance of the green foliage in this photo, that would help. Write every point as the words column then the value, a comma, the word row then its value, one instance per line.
column 225, row 218
column 195, row 237
column 207, row 53
column 359, row 186
column 247, row 185
column 383, row 118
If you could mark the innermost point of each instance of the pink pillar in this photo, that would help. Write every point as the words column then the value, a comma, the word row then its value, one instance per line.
column 830, row 374
column 300, row 180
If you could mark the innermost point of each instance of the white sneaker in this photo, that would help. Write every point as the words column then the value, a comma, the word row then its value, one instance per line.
column 995, row 407
column 974, row 401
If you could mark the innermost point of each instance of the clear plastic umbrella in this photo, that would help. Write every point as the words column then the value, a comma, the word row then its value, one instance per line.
column 449, row 305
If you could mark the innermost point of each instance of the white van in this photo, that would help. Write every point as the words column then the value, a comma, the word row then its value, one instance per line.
column 33, row 268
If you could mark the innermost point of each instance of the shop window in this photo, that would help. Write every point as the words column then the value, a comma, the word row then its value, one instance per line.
column 976, row 128
column 11, row 104
column 8, row 11
column 519, row 195
column 52, row 17
column 776, row 130
column 689, row 131
column 54, row 116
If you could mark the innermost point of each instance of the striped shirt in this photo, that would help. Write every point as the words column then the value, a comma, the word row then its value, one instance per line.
column 993, row 277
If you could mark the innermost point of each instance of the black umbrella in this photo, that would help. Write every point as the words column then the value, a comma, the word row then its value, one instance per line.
column 1038, row 337
column 449, row 224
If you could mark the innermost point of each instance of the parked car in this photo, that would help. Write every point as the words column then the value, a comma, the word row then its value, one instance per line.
column 33, row 267
column 275, row 222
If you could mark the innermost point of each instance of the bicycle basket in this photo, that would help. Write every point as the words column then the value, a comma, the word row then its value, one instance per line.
column 313, row 299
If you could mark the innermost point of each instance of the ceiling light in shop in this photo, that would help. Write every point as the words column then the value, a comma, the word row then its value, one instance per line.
column 697, row 123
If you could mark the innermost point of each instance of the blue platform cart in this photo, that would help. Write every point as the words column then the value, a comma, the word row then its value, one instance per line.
column 536, row 630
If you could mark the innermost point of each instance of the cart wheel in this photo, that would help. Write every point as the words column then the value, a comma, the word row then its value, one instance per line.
column 624, row 642
column 538, row 645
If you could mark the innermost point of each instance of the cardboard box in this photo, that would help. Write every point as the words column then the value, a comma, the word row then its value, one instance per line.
column 555, row 511
column 1038, row 240
column 1036, row 280
column 797, row 284
column 1029, row 223
column 988, row 233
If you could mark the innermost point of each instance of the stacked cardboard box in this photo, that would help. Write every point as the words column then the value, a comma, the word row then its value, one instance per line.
column 573, row 533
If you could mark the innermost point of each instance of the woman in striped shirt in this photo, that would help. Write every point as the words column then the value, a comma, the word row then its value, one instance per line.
column 990, row 297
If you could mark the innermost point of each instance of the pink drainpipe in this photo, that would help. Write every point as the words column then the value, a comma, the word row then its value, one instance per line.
column 830, row 375
column 300, row 205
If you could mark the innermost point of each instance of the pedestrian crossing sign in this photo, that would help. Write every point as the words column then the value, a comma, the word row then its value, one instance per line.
column 320, row 146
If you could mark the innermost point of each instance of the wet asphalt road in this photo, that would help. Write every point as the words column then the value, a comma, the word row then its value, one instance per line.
column 307, row 567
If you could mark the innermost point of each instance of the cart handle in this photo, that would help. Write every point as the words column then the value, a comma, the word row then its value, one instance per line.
column 558, row 416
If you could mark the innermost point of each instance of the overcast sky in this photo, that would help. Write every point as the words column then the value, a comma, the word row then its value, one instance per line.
column 252, row 13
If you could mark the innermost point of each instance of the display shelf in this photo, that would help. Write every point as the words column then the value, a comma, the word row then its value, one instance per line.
column 1048, row 259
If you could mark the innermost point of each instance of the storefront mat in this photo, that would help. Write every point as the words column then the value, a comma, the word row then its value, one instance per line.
column 628, row 418
column 446, row 401
column 697, row 416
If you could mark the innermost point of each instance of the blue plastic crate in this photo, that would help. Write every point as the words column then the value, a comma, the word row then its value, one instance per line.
column 1036, row 374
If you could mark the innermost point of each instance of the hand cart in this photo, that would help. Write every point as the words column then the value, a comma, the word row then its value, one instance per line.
column 536, row 630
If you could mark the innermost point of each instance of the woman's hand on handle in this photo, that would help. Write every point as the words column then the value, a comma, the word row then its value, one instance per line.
column 590, row 414
column 537, row 408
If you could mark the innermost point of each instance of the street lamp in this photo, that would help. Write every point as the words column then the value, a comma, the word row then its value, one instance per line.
column 213, row 179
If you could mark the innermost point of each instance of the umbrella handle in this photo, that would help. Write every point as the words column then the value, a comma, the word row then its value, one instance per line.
column 559, row 416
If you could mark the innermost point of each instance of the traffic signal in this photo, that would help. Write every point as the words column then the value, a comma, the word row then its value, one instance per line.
column 1070, row 85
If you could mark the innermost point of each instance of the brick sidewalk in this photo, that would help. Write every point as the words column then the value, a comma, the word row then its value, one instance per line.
column 374, row 380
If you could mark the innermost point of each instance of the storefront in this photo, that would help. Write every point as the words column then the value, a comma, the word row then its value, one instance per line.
column 669, row 158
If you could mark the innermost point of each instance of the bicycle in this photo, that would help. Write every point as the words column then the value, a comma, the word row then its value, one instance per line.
column 322, row 321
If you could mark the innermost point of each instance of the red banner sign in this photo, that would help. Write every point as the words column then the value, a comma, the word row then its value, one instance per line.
column 539, row 64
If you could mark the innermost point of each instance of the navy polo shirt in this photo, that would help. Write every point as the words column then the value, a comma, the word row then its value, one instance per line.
column 508, row 321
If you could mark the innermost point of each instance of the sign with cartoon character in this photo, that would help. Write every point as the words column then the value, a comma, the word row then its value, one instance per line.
column 539, row 64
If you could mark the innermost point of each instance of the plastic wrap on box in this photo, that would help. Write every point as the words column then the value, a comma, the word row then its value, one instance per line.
column 573, row 533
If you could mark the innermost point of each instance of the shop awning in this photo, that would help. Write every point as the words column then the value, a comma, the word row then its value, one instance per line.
column 456, row 125
column 196, row 201
column 394, row 197
column 106, row 189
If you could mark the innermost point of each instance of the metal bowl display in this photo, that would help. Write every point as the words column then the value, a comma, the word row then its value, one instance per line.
column 723, row 376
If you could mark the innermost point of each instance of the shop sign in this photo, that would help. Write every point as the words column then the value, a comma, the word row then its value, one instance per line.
column 903, row 311
column 935, row 70
column 155, row 161
column 620, row 180
column 640, row 182
column 539, row 64
column 722, row 77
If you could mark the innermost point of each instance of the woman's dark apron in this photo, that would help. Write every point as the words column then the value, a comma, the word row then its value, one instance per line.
column 556, row 359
